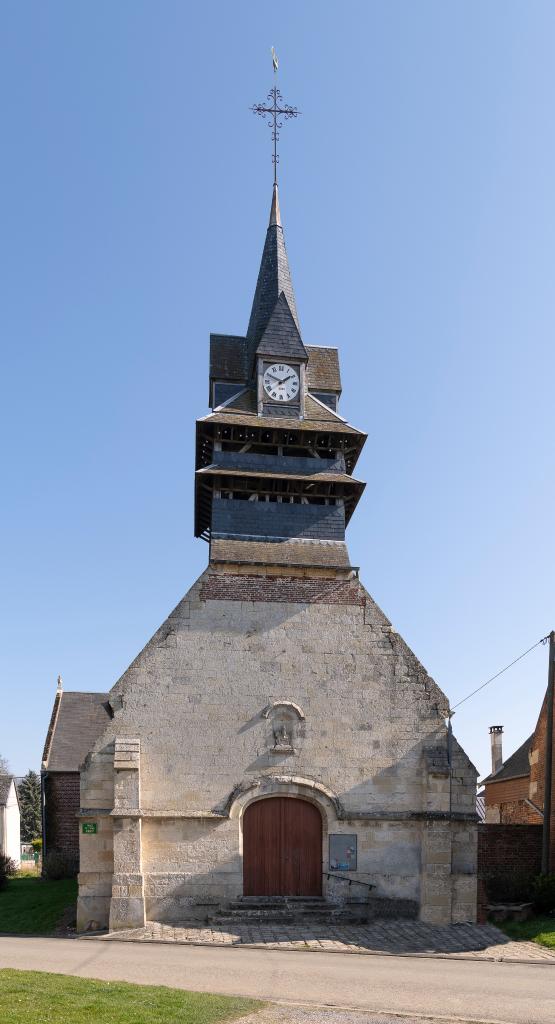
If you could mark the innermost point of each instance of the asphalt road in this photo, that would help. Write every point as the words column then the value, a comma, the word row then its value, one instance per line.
column 467, row 990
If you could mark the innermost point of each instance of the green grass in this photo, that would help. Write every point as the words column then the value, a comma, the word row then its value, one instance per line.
column 30, row 997
column 539, row 929
column 33, row 906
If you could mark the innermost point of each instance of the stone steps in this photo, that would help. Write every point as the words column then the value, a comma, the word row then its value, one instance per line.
column 288, row 910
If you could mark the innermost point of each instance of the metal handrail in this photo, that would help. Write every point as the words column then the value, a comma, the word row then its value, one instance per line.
column 351, row 881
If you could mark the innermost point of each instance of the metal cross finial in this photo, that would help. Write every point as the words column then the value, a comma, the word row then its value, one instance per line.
column 273, row 113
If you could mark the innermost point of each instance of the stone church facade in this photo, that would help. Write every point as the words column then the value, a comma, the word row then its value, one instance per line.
column 276, row 737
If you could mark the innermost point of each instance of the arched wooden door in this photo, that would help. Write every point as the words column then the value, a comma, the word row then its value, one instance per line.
column 282, row 848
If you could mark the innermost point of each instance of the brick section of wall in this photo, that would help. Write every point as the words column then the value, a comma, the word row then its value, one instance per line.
column 512, row 847
column 506, row 849
column 507, row 789
column 288, row 589
column 537, row 774
column 62, row 801
column 277, row 519
column 506, row 802
column 517, row 812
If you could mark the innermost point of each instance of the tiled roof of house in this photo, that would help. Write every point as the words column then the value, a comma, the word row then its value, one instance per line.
column 5, row 785
column 322, row 371
column 515, row 766
column 78, row 719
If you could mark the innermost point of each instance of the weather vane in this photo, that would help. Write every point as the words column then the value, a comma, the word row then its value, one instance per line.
column 273, row 113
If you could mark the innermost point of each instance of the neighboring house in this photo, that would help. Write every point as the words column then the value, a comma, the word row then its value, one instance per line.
column 9, row 819
column 76, row 722
column 514, row 791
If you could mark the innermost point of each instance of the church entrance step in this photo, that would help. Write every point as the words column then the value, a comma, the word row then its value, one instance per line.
column 288, row 910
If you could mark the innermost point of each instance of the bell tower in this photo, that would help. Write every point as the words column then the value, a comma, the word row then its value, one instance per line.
column 275, row 459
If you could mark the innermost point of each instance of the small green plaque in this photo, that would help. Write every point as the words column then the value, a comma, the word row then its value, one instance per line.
column 89, row 827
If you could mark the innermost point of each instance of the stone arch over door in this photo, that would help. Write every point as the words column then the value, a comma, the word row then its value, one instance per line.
column 282, row 847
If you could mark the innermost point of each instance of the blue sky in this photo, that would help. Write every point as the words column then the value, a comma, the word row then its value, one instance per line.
column 418, row 202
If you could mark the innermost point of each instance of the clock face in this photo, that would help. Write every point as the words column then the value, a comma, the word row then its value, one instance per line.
column 281, row 382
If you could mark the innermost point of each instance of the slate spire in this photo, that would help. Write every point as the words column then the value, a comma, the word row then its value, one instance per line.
column 274, row 278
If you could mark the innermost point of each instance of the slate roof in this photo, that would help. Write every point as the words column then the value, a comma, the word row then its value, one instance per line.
column 281, row 338
column 5, row 785
column 228, row 357
column 515, row 766
column 274, row 277
column 325, row 418
column 78, row 719
column 246, row 402
column 314, row 410
column 325, row 477
column 322, row 423
column 328, row 554
column 322, row 370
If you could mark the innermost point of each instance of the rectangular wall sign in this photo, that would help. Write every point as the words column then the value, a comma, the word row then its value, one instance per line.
column 343, row 853
column 89, row 827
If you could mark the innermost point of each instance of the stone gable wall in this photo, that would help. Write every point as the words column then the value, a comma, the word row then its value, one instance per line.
column 372, row 734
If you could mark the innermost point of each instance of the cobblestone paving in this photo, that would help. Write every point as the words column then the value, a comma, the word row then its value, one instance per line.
column 276, row 1014
column 397, row 937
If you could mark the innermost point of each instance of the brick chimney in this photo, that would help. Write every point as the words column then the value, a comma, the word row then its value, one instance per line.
column 496, row 735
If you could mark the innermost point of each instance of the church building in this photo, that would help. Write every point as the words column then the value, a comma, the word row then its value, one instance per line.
column 276, row 738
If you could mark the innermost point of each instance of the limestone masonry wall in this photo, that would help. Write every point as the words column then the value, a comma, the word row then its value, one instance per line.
column 201, row 708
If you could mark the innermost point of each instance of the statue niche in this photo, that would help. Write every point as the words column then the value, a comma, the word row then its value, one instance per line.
column 284, row 718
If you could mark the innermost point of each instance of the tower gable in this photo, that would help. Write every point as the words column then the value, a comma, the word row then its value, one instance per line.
column 281, row 338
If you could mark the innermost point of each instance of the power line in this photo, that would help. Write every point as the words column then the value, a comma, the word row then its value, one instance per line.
column 543, row 640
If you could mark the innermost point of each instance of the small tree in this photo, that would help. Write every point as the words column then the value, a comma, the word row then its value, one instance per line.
column 4, row 766
column 29, row 802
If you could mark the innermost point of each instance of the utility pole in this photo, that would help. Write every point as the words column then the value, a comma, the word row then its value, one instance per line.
column 547, row 793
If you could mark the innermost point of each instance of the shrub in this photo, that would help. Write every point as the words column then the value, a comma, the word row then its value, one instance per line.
column 58, row 864
column 37, row 845
column 7, row 868
column 543, row 894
